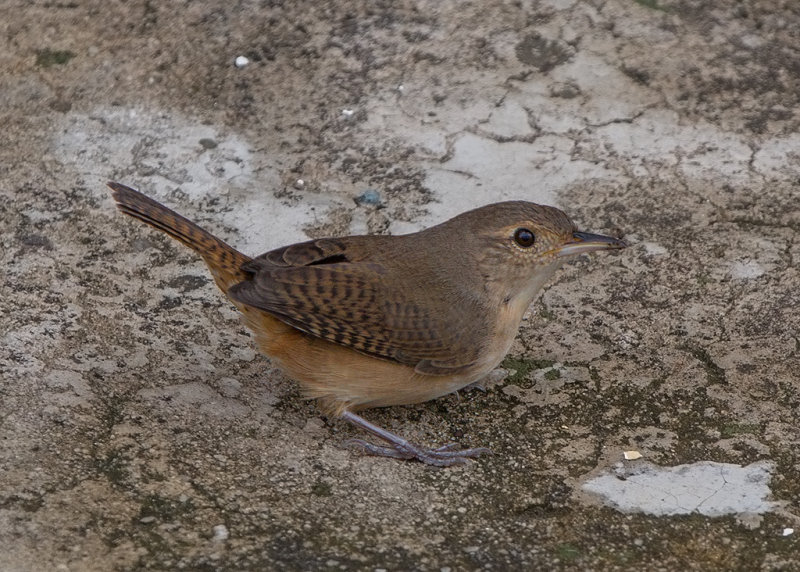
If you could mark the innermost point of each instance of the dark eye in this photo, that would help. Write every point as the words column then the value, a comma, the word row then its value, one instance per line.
column 524, row 237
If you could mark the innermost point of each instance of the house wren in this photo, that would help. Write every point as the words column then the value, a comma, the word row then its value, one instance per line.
column 373, row 321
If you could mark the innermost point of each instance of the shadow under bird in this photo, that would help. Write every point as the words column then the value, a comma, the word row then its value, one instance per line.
column 375, row 321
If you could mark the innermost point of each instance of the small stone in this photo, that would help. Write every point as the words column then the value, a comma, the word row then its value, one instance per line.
column 369, row 197
column 221, row 533
column 147, row 519
column 788, row 531
column 631, row 455
column 241, row 61
column 207, row 143
column 348, row 113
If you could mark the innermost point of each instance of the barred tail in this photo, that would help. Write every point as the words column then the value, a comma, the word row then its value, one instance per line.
column 225, row 262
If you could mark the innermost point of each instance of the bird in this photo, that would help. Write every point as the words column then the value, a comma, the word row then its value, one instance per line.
column 384, row 320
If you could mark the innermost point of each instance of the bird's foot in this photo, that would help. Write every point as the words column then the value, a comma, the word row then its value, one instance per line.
column 398, row 448
column 445, row 456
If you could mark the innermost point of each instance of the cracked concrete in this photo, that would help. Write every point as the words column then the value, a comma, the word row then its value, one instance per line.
column 139, row 427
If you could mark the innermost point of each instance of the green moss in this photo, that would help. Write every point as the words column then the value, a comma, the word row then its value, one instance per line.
column 567, row 552
column 522, row 367
column 546, row 313
column 519, row 368
column 48, row 58
column 652, row 4
column 552, row 374
column 732, row 429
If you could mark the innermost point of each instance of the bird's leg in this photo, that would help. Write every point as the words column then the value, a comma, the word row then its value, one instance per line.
column 399, row 448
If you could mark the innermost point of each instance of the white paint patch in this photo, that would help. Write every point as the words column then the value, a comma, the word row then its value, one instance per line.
column 522, row 142
column 482, row 171
column 161, row 153
column 509, row 120
column 778, row 155
column 707, row 488
column 657, row 138
column 746, row 270
column 653, row 249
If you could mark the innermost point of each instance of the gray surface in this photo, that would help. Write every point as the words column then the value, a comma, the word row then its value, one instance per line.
column 136, row 419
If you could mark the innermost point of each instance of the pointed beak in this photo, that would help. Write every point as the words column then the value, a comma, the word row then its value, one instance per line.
column 587, row 242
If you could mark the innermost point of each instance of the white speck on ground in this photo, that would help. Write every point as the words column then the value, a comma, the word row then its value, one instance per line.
column 654, row 249
column 221, row 533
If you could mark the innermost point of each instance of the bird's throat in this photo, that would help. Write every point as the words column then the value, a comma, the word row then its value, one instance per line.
column 525, row 291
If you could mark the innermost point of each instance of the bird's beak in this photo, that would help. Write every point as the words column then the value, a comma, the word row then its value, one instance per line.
column 587, row 242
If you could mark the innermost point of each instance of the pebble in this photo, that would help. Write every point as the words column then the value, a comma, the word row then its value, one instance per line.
column 221, row 533
column 369, row 197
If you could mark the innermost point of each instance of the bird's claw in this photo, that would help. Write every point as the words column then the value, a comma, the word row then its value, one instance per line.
column 444, row 456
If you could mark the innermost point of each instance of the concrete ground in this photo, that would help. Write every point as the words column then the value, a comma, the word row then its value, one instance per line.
column 139, row 428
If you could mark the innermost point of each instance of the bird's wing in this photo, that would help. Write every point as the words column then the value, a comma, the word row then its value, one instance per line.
column 322, row 289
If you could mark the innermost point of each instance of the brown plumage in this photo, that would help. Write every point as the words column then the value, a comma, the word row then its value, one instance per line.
column 371, row 321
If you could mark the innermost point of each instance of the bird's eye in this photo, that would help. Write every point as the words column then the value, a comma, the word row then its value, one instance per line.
column 524, row 237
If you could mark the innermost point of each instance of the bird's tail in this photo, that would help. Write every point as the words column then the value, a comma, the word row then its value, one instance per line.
column 225, row 262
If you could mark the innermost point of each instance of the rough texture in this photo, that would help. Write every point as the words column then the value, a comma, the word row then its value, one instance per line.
column 138, row 427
